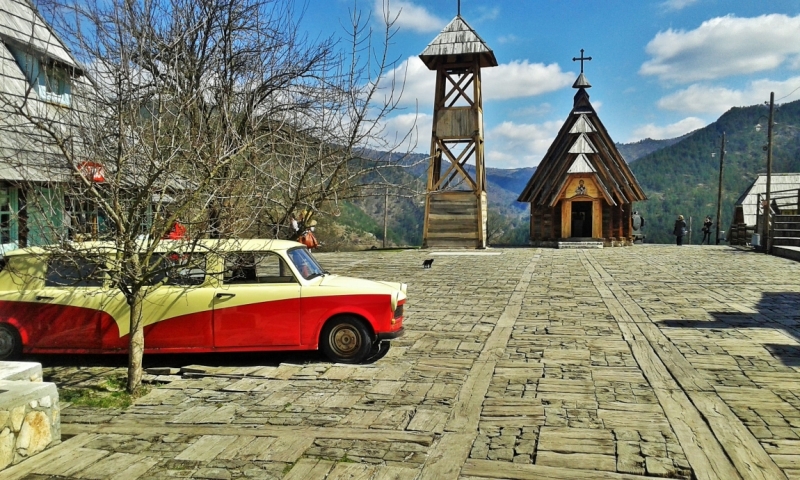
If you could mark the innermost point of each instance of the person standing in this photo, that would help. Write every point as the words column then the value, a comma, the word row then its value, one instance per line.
column 680, row 230
column 707, row 230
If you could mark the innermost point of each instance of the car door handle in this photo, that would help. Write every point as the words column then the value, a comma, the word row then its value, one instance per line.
column 41, row 297
column 222, row 295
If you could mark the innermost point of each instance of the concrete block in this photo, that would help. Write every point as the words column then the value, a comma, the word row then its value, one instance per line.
column 30, row 417
column 23, row 371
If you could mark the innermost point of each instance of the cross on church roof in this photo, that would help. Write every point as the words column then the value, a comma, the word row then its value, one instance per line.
column 581, row 58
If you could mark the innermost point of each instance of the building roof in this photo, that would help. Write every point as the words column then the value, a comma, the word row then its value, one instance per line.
column 26, row 153
column 583, row 145
column 779, row 182
column 20, row 23
column 456, row 43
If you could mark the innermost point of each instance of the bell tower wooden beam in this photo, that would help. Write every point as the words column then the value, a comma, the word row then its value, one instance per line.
column 455, row 203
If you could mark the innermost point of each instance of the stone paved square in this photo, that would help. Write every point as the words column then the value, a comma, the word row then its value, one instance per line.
column 618, row 363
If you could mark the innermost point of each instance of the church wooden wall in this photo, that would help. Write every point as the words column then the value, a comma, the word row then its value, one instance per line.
column 545, row 223
column 612, row 223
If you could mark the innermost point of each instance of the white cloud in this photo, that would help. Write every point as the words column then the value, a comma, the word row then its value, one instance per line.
column 517, row 79
column 677, row 4
column 411, row 131
column 723, row 46
column 410, row 16
column 676, row 129
column 516, row 145
column 522, row 79
column 417, row 83
column 715, row 100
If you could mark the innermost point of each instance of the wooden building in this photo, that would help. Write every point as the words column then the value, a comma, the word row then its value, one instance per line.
column 583, row 188
column 748, row 211
column 455, row 204
column 40, row 76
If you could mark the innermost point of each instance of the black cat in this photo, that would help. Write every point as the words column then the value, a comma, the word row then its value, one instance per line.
column 427, row 263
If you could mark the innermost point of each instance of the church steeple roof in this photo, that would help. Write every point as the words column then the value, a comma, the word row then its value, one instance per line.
column 581, row 82
column 583, row 145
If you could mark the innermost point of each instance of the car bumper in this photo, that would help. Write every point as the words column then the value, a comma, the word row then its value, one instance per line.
column 391, row 335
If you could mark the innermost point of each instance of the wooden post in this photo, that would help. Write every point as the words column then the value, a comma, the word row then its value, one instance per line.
column 719, row 191
column 765, row 241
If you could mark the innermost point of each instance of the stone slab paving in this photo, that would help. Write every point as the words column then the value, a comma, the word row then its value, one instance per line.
column 619, row 363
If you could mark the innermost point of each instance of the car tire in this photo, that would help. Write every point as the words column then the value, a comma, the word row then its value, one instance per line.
column 346, row 340
column 379, row 350
column 10, row 342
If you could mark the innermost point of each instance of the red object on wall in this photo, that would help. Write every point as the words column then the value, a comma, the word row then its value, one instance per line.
column 94, row 171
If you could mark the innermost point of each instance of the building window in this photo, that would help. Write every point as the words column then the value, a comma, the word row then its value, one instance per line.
column 9, row 219
column 51, row 82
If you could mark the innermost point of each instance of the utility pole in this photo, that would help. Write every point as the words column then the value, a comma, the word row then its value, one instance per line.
column 385, row 215
column 767, row 208
column 719, row 192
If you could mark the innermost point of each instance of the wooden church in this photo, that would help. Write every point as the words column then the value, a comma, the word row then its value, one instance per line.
column 582, row 190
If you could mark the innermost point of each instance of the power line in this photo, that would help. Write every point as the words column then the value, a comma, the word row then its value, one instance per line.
column 788, row 94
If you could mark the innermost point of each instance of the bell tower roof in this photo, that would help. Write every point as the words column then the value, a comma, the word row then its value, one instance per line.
column 457, row 43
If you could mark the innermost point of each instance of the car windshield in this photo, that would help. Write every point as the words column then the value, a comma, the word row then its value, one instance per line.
column 305, row 263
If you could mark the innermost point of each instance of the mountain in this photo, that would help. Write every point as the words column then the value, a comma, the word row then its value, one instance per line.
column 360, row 223
column 682, row 179
column 636, row 150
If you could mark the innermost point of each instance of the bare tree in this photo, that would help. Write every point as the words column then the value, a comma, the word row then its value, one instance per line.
column 217, row 115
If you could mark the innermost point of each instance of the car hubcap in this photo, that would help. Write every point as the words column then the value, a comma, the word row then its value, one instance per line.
column 345, row 340
column 6, row 343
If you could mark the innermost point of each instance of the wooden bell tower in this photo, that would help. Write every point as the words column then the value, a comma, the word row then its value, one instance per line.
column 455, row 204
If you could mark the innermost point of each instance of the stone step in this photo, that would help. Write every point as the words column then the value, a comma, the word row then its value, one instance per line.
column 792, row 253
column 786, row 218
column 790, row 241
column 786, row 225
column 578, row 245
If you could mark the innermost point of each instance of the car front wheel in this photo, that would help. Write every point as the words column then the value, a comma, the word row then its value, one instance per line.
column 10, row 342
column 346, row 340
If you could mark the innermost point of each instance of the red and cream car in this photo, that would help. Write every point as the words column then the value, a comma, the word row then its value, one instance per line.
column 238, row 295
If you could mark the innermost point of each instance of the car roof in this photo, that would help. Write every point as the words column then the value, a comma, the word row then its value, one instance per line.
column 229, row 245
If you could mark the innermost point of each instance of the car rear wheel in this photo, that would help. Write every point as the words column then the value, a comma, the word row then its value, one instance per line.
column 346, row 340
column 10, row 342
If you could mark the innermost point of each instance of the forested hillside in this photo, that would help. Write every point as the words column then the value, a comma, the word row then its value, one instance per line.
column 679, row 176
column 636, row 150
column 682, row 179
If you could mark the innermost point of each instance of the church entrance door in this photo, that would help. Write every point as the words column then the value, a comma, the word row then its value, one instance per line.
column 582, row 219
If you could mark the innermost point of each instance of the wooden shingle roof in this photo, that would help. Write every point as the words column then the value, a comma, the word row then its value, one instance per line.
column 583, row 145
column 21, row 24
column 457, row 40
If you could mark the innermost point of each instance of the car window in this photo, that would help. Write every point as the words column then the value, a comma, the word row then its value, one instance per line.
column 175, row 268
column 73, row 272
column 256, row 267
column 305, row 263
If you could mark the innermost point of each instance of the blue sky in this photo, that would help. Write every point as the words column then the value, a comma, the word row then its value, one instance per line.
column 660, row 68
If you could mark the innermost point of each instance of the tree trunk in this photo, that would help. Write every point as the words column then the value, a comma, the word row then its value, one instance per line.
column 136, row 344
